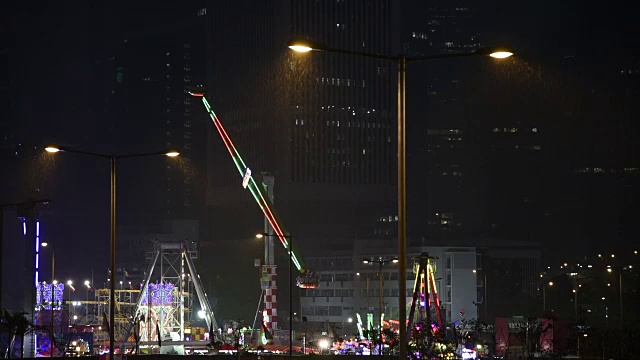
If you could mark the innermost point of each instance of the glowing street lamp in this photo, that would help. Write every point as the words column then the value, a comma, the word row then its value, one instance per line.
column 544, row 296
column 305, row 46
column 113, row 158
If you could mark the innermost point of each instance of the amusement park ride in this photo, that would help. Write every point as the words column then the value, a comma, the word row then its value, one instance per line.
column 421, row 326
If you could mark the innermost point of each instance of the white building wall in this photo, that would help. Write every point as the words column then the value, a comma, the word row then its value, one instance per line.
column 343, row 289
column 464, row 287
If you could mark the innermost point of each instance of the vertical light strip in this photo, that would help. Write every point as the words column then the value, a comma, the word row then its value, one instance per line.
column 24, row 227
column 37, row 250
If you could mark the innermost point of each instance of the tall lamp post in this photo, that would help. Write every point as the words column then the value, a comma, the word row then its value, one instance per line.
column 69, row 302
column 380, row 261
column 290, row 250
column 53, row 302
column 87, row 283
column 544, row 297
column 112, row 284
column 303, row 45
column 620, row 270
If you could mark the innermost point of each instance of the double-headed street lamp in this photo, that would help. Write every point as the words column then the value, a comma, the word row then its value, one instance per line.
column 620, row 270
column 290, row 250
column 380, row 261
column 303, row 45
column 112, row 285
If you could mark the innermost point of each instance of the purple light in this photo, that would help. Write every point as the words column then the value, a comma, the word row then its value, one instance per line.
column 24, row 227
column 48, row 294
column 161, row 295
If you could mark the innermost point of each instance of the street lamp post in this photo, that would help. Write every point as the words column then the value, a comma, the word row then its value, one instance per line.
column 53, row 284
column 69, row 302
column 69, row 287
column 544, row 297
column 620, row 270
column 301, row 45
column 380, row 261
column 112, row 284
column 290, row 249
column 86, row 308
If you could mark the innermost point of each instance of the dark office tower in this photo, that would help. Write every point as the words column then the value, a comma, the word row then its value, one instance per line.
column 344, row 118
column 151, row 63
column 323, row 124
column 153, row 68
column 438, row 132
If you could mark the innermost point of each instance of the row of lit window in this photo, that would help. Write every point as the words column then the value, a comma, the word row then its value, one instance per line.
column 348, row 108
column 390, row 218
column 512, row 130
column 336, row 123
column 598, row 170
column 443, row 131
column 340, row 82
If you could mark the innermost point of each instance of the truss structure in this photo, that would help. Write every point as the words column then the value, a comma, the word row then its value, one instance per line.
column 164, row 307
column 425, row 293
column 125, row 306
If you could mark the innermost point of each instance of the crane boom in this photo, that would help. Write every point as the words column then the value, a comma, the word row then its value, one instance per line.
column 308, row 279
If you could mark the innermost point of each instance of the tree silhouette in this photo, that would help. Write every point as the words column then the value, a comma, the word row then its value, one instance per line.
column 16, row 324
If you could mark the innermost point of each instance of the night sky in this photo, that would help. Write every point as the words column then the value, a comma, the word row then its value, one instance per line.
column 54, row 54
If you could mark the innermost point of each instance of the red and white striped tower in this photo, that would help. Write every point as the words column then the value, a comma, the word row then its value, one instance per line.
column 268, row 276
column 270, row 289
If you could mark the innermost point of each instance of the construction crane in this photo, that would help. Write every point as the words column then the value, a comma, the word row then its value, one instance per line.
column 307, row 279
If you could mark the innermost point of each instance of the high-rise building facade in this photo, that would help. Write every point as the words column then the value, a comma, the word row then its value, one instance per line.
column 150, row 68
column 322, row 124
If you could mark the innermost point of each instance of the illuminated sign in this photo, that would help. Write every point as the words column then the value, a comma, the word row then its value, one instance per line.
column 246, row 178
column 468, row 354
